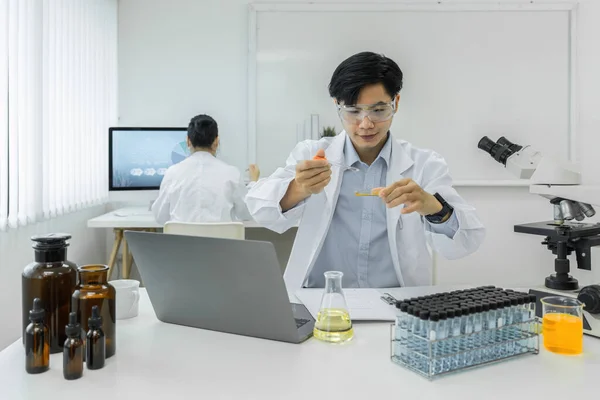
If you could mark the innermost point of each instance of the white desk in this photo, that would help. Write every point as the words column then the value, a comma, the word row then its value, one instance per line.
column 131, row 218
column 135, row 217
column 158, row 360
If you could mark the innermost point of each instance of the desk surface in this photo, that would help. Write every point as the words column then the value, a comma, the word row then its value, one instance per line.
column 176, row 362
column 135, row 217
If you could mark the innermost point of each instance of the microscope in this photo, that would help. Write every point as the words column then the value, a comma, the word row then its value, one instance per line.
column 560, row 183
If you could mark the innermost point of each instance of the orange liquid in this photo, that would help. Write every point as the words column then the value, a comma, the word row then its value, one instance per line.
column 563, row 333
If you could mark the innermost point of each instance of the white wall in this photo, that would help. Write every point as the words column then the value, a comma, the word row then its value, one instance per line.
column 182, row 57
column 87, row 246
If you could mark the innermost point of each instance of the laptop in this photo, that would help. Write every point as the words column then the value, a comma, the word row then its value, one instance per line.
column 225, row 285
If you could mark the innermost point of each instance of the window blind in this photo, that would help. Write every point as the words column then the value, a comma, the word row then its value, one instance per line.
column 58, row 74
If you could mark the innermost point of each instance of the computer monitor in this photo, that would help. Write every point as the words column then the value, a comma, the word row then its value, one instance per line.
column 139, row 157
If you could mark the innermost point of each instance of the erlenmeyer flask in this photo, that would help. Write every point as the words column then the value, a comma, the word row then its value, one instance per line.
column 333, row 321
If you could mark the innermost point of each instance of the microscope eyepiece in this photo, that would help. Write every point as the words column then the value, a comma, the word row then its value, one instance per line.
column 501, row 150
column 505, row 142
column 486, row 144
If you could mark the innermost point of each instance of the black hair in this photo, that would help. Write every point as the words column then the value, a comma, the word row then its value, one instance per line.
column 364, row 69
column 202, row 131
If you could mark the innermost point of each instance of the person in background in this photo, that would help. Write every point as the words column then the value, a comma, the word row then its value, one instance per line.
column 203, row 188
column 382, row 239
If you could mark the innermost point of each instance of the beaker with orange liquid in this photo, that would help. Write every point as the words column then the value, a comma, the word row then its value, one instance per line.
column 562, row 325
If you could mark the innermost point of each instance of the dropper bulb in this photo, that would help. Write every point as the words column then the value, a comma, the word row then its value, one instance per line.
column 73, row 328
column 95, row 320
column 36, row 314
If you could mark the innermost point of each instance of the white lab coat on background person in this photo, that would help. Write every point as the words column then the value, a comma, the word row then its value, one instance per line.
column 408, row 234
column 201, row 188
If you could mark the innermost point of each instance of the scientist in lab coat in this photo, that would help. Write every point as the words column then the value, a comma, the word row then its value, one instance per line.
column 202, row 188
column 379, row 241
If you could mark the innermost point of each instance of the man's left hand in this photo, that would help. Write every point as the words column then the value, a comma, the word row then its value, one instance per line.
column 414, row 198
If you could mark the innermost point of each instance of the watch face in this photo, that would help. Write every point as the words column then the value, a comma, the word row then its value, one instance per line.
column 434, row 218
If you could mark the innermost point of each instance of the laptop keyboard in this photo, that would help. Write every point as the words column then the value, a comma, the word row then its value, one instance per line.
column 300, row 322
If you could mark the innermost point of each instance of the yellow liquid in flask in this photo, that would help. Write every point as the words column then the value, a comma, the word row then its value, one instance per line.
column 333, row 325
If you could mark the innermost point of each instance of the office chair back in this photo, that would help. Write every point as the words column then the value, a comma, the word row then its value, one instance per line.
column 222, row 230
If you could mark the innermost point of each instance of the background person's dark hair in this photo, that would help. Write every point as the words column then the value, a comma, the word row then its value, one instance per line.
column 364, row 69
column 202, row 131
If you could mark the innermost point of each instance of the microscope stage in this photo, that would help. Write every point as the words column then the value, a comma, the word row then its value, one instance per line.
column 566, row 231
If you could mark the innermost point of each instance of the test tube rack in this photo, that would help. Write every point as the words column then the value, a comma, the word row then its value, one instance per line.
column 435, row 347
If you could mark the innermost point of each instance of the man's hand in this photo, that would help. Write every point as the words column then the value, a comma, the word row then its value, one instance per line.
column 254, row 172
column 414, row 198
column 313, row 175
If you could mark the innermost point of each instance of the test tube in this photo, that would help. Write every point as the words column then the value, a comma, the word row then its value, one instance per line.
column 416, row 327
column 407, row 346
column 507, row 311
column 532, row 304
column 491, row 329
column 502, row 348
column 401, row 322
column 424, row 323
column 449, row 344
column 471, row 327
column 495, row 308
column 412, row 340
column 524, row 326
column 490, row 322
column 456, row 335
column 424, row 347
column 514, row 307
column 410, row 310
column 468, row 338
column 500, row 337
column 434, row 320
column 523, row 307
column 485, row 338
column 435, row 335
column 512, row 310
column 477, row 331
column 531, row 343
column 443, row 348
column 507, row 320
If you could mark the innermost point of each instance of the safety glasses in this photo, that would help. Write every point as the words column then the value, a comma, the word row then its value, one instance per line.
column 375, row 112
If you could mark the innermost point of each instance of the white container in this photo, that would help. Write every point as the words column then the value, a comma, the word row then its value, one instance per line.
column 127, row 297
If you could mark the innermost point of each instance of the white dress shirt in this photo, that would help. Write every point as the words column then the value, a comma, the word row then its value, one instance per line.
column 357, row 240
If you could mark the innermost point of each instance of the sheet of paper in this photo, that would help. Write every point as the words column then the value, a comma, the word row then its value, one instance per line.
column 363, row 304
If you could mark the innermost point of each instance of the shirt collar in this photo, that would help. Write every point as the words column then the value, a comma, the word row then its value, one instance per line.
column 351, row 156
column 201, row 153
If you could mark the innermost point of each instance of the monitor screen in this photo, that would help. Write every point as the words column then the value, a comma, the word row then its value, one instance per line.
column 139, row 157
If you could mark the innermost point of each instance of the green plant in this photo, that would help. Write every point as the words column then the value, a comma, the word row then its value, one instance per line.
column 328, row 131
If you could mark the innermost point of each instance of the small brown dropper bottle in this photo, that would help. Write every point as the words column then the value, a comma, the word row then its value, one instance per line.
column 73, row 350
column 37, row 341
column 95, row 346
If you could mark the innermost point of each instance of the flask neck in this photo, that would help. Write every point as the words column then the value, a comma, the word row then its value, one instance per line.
column 93, row 277
column 333, row 284
column 50, row 256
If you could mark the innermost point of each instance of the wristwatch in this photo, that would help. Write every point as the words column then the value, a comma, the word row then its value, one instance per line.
column 446, row 211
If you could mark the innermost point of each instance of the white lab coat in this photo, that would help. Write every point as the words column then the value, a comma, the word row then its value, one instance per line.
column 201, row 188
column 408, row 235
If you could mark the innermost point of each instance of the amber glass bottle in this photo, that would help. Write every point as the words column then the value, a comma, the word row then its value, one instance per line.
column 73, row 350
column 37, row 347
column 52, row 279
column 95, row 344
column 94, row 290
